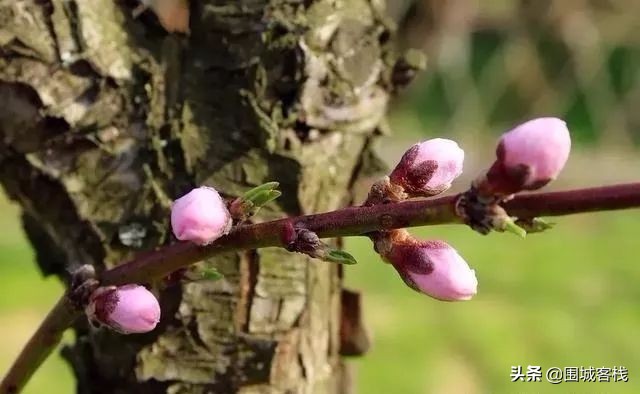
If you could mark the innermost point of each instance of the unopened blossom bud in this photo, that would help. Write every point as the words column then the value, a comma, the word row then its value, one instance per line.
column 530, row 156
column 127, row 309
column 200, row 216
column 434, row 268
column 428, row 168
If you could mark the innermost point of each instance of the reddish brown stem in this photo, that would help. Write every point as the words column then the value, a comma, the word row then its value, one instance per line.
column 605, row 198
column 351, row 221
column 361, row 220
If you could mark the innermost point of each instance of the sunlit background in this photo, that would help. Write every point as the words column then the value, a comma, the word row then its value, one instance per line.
column 567, row 298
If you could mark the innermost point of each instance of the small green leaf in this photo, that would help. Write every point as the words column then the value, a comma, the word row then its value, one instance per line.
column 254, row 199
column 340, row 257
column 535, row 225
column 211, row 274
column 265, row 197
column 249, row 195
column 510, row 226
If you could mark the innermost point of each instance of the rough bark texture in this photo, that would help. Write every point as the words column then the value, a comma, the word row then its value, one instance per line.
column 104, row 119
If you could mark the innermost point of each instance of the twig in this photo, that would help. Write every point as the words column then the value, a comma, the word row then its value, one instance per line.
column 350, row 221
column 605, row 198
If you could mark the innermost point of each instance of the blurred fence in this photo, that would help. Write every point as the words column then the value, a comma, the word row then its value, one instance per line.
column 495, row 63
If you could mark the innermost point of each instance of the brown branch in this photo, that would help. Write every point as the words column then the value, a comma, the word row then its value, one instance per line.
column 351, row 221
column 605, row 198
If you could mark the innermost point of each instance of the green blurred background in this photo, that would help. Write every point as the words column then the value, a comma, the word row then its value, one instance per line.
column 566, row 298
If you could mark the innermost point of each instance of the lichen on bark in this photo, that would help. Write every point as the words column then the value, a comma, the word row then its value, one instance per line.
column 105, row 118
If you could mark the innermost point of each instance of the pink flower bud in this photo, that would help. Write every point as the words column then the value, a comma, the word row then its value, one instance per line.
column 435, row 269
column 530, row 156
column 428, row 168
column 200, row 216
column 127, row 309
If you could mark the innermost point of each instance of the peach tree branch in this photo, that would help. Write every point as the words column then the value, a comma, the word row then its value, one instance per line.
column 352, row 221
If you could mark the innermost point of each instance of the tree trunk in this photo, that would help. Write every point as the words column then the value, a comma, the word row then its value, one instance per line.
column 105, row 118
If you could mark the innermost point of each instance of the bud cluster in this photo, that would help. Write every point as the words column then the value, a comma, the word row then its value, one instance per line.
column 528, row 157
column 431, row 267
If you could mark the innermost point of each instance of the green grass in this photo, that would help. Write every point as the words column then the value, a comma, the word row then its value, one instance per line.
column 566, row 298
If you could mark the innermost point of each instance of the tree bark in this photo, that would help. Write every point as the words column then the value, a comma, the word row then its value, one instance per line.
column 105, row 118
